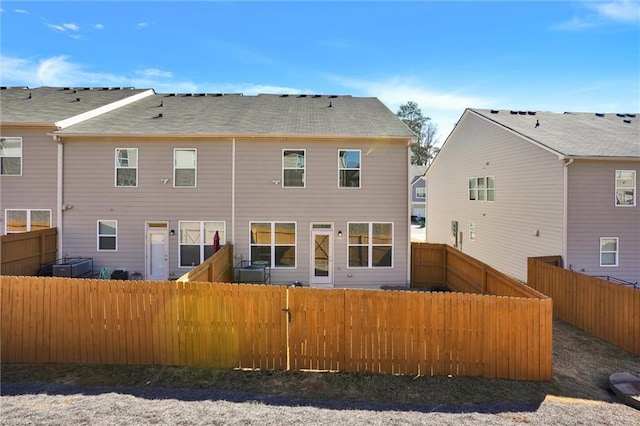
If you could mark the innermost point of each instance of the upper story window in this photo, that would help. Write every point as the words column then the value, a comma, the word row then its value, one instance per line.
column 421, row 192
column 196, row 241
column 184, row 167
column 107, row 235
column 370, row 245
column 349, row 168
column 609, row 251
column 482, row 188
column 26, row 220
column 274, row 243
column 293, row 168
column 10, row 156
column 127, row 167
column 625, row 187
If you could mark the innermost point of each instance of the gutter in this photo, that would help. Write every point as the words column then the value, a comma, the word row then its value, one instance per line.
column 59, row 195
column 233, row 191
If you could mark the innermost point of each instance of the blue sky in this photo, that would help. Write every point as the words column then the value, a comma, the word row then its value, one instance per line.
column 446, row 56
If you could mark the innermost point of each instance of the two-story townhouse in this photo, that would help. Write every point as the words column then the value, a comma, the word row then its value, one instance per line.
column 508, row 185
column 418, row 192
column 30, row 182
column 312, row 185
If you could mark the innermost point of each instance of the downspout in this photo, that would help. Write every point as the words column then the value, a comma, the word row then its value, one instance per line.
column 233, row 191
column 565, row 210
column 408, row 218
column 59, row 194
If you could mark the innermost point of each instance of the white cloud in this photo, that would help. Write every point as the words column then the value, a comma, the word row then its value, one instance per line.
column 21, row 11
column 574, row 24
column 154, row 72
column 63, row 28
column 98, row 26
column 618, row 10
column 56, row 27
column 72, row 27
column 141, row 25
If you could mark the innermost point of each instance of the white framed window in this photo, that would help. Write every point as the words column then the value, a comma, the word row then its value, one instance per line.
column 293, row 168
column 472, row 231
column 609, row 251
column 185, row 162
column 482, row 188
column 127, row 167
column 107, row 235
column 370, row 244
column 195, row 242
column 349, row 168
column 10, row 156
column 626, row 188
column 273, row 243
column 25, row 220
column 421, row 192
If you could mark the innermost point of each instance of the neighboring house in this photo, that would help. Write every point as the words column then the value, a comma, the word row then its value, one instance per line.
column 315, row 186
column 29, row 180
column 418, row 192
column 508, row 185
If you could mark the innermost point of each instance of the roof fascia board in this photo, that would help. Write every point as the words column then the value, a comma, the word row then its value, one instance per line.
column 102, row 110
column 401, row 139
column 27, row 124
column 578, row 157
column 560, row 155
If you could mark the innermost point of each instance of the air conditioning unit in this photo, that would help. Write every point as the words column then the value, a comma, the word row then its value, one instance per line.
column 251, row 274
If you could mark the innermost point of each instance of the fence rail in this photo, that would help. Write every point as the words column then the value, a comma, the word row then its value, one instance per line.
column 24, row 253
column 607, row 310
column 65, row 320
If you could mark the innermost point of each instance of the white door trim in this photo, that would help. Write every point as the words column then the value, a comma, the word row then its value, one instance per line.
column 321, row 281
column 151, row 229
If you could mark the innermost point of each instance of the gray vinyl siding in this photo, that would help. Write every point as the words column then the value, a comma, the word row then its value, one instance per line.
column 89, row 187
column 528, row 196
column 36, row 188
column 381, row 198
column 593, row 214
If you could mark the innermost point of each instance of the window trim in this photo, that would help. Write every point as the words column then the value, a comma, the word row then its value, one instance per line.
column 115, row 175
column 21, row 155
column 195, row 168
column 633, row 188
column 273, row 244
column 359, row 169
column 475, row 193
column 370, row 245
column 98, row 235
column 616, row 252
column 304, row 167
column 203, row 243
column 28, row 219
column 423, row 190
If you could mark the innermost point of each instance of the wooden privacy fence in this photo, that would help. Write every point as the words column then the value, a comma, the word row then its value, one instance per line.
column 606, row 310
column 216, row 269
column 443, row 265
column 63, row 320
column 24, row 253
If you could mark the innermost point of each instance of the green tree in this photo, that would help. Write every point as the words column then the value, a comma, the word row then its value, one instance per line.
column 423, row 149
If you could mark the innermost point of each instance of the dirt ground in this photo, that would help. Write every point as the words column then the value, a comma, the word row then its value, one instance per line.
column 89, row 394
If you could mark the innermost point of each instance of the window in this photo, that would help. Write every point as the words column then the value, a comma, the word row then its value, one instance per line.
column 26, row 220
column 126, row 166
column 184, row 167
column 274, row 243
column 293, row 168
column 196, row 241
column 472, row 231
column 11, row 156
column 609, row 251
column 482, row 188
column 625, row 187
column 421, row 192
column 107, row 235
column 370, row 245
column 349, row 168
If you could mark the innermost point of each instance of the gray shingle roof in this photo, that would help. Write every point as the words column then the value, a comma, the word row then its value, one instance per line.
column 574, row 134
column 51, row 104
column 237, row 115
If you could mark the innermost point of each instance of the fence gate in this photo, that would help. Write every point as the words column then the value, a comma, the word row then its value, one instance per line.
column 315, row 329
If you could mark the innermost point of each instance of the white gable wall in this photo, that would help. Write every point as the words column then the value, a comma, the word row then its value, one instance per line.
column 528, row 196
